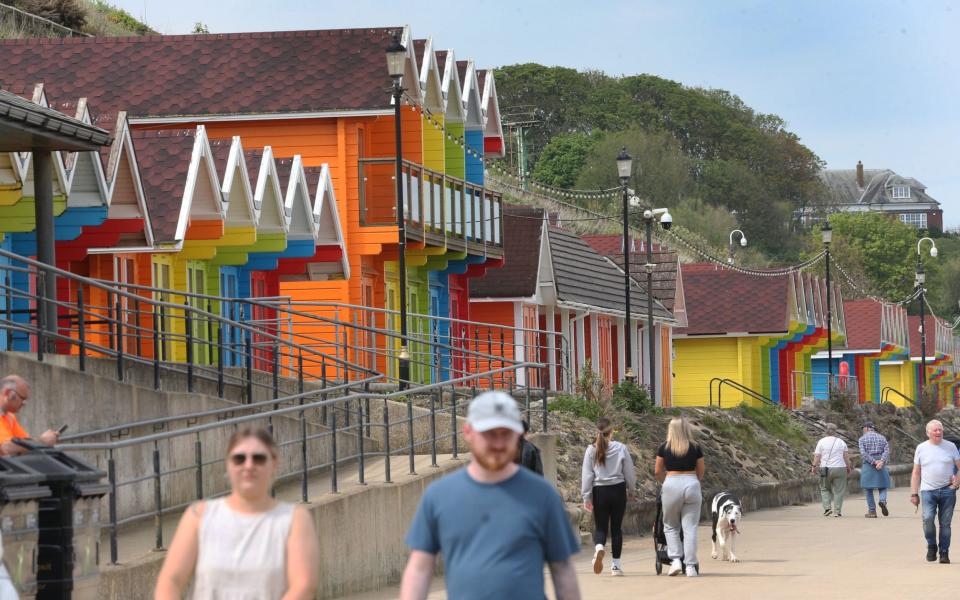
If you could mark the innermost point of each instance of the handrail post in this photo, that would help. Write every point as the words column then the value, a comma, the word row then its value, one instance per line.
column 41, row 311
column 386, row 439
column 545, row 409
column 81, row 331
column 333, row 451
column 157, row 320
column 198, row 452
column 413, row 458
column 453, row 418
column 110, row 340
column 220, row 385
column 136, row 323
column 304, row 494
column 248, row 343
column 157, row 497
column 112, row 506
column 209, row 333
column 188, row 325
column 433, row 425
column 119, row 342
column 361, row 465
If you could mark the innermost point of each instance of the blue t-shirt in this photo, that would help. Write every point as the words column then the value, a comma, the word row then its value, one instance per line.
column 495, row 537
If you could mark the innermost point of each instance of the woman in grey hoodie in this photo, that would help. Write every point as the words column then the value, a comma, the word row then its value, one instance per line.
column 608, row 477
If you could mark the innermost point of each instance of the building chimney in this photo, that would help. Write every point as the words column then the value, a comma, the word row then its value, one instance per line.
column 859, row 174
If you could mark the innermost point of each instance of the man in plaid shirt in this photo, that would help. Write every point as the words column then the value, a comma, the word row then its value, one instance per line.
column 874, row 475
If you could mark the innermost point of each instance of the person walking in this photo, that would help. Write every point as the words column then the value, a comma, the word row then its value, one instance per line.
column 832, row 458
column 933, row 483
column 874, row 475
column 680, row 467
column 608, row 478
column 528, row 455
column 247, row 545
column 496, row 523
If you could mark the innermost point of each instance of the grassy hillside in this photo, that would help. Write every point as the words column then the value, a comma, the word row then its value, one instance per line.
column 64, row 18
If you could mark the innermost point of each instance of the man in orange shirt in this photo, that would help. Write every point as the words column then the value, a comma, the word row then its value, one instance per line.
column 14, row 393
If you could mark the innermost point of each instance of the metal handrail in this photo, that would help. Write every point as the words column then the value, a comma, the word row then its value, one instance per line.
column 737, row 386
column 885, row 394
column 361, row 426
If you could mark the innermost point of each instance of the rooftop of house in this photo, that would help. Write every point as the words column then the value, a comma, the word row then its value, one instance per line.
column 721, row 301
column 207, row 74
column 666, row 264
column 878, row 186
column 163, row 158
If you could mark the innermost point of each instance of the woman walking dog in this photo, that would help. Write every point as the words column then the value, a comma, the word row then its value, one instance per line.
column 680, row 468
column 608, row 477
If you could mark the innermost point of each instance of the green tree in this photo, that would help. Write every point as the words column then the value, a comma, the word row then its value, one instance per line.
column 877, row 250
column 562, row 160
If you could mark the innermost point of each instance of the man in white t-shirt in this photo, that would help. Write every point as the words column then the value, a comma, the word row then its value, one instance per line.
column 830, row 457
column 934, row 482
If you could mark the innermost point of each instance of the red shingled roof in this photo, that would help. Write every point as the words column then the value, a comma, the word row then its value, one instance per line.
column 238, row 73
column 521, row 257
column 722, row 301
column 441, row 60
column 163, row 158
column 863, row 319
column 462, row 71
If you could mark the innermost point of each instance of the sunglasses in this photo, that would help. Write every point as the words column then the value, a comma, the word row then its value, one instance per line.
column 240, row 459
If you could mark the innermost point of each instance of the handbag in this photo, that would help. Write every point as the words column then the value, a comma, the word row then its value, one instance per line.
column 824, row 471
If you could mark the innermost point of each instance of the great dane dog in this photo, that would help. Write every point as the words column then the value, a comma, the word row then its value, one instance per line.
column 727, row 513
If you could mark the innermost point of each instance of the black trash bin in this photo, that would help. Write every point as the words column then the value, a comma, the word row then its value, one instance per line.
column 20, row 494
column 68, row 559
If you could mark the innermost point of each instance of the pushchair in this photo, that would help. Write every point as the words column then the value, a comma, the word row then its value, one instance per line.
column 660, row 541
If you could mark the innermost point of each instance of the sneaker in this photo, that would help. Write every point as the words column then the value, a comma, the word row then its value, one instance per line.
column 692, row 571
column 931, row 553
column 616, row 571
column 827, row 512
column 598, row 560
column 871, row 515
column 883, row 509
column 944, row 558
column 838, row 514
column 675, row 567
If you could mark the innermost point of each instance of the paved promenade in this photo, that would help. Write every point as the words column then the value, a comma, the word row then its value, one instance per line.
column 790, row 552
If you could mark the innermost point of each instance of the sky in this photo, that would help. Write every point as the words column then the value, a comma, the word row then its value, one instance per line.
column 870, row 80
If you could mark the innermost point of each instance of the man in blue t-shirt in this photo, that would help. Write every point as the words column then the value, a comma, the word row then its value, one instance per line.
column 495, row 523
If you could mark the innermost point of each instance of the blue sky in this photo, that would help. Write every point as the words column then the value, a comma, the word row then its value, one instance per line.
column 870, row 80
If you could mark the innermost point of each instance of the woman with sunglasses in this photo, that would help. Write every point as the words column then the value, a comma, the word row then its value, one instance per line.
column 247, row 545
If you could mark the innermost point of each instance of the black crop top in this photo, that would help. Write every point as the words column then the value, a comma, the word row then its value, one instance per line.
column 687, row 462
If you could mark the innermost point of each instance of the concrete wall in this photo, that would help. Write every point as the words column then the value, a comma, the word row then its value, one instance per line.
column 361, row 541
column 88, row 401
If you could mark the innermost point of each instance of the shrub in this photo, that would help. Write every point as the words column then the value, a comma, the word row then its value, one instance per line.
column 580, row 407
column 927, row 404
column 843, row 400
column 628, row 395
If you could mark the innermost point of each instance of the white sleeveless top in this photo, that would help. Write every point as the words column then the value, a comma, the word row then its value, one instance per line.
column 242, row 556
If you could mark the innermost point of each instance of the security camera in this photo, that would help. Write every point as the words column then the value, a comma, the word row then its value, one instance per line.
column 666, row 221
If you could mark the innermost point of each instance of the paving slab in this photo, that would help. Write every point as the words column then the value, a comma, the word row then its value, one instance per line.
column 789, row 552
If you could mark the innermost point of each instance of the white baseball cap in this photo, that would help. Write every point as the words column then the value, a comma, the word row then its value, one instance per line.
column 491, row 410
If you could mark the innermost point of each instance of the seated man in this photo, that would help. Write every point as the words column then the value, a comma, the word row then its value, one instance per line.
column 14, row 393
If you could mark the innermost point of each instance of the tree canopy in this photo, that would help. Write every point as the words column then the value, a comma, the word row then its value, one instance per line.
column 687, row 142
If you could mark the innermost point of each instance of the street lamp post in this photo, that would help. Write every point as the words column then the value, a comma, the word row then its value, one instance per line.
column 396, row 65
column 827, row 233
column 624, row 169
column 649, row 216
column 743, row 244
column 920, row 281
